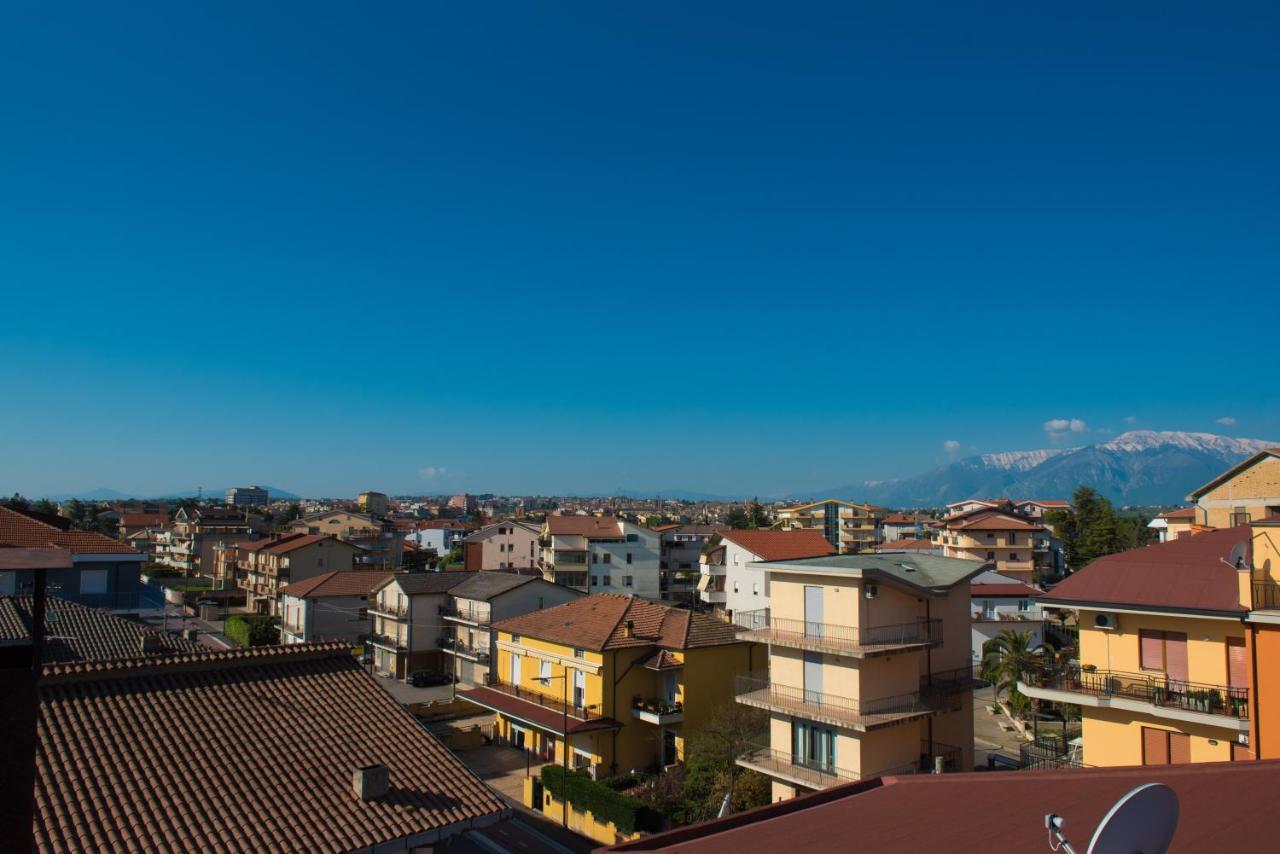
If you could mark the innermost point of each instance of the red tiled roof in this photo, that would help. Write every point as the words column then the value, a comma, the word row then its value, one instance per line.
column 1016, row 590
column 599, row 622
column 904, row 519
column 29, row 558
column 993, row 520
column 76, row 633
column 1188, row 573
column 1219, row 804
column 144, row 520
column 288, row 543
column 22, row 531
column 351, row 582
column 285, row 728
column 584, row 526
column 539, row 715
column 1180, row 513
column 781, row 545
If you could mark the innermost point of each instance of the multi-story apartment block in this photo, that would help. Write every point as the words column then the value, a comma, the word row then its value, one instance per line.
column 463, row 503
column 1002, row 603
column 1263, row 637
column 328, row 607
column 248, row 496
column 903, row 526
column 189, row 545
column 502, row 545
column 374, row 503
column 869, row 669
column 728, row 580
column 382, row 546
column 1164, row 670
column 849, row 527
column 680, row 558
column 601, row 554
column 1243, row 494
column 264, row 566
column 1172, row 524
column 1018, row 545
column 409, row 630
column 482, row 600
column 139, row 523
column 616, row 681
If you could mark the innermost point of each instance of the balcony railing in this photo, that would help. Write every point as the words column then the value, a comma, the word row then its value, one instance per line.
column 1154, row 688
column 393, row 610
column 387, row 641
column 955, row 681
column 757, row 690
column 479, row 616
column 784, row 764
column 547, row 701
column 1266, row 595
column 480, row 654
column 764, row 627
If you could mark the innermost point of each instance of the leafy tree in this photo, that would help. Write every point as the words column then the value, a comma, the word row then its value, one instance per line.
column 44, row 505
column 1009, row 658
column 17, row 502
column 737, row 518
column 757, row 516
column 1092, row 529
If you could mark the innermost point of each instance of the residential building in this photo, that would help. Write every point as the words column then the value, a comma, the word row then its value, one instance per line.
column 305, row 753
column 679, row 561
column 189, row 545
column 103, row 572
column 903, row 526
column 869, row 669
column 1250, row 491
column 265, row 566
column 374, row 503
column 601, row 554
column 614, row 681
column 1037, row 509
column 382, row 546
column 137, row 523
column 1003, row 603
column 328, row 607
column 409, row 630
column 1018, row 545
column 849, row 527
column 480, row 601
column 1163, row 673
column 727, row 579
column 922, row 546
column 1172, row 524
column 1263, row 638
column 463, row 503
column 502, row 545
column 438, row 540
column 1218, row 806
column 248, row 496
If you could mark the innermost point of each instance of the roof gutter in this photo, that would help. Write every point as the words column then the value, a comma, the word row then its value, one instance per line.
column 1128, row 608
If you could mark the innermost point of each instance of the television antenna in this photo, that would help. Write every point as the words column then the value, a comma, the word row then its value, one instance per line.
column 1141, row 822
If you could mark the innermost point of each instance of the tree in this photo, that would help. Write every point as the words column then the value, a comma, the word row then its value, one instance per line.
column 17, row 502
column 77, row 511
column 757, row 516
column 737, row 518
column 710, row 770
column 1092, row 529
column 46, row 506
column 1009, row 658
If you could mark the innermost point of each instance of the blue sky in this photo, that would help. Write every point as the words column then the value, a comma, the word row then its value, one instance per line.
column 736, row 248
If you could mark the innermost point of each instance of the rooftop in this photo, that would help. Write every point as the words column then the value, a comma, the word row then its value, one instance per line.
column 483, row 586
column 584, row 526
column 1231, row 473
column 78, row 633
column 23, row 531
column 350, row 582
column 599, row 622
column 781, row 545
column 419, row 583
column 921, row 571
column 285, row 729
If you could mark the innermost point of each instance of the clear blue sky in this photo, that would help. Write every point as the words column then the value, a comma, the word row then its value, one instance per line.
column 738, row 248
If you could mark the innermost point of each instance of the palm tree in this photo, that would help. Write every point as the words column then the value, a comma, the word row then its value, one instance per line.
column 1009, row 658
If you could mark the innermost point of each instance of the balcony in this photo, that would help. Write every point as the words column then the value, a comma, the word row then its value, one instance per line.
column 574, row 710
column 472, row 616
column 475, row 653
column 658, row 712
column 863, row 715
column 857, row 642
column 388, row 609
column 1266, row 595
column 714, row 597
column 950, row 682
column 387, row 642
column 1146, row 693
column 809, row 774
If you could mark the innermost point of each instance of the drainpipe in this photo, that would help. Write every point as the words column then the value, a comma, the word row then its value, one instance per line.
column 1255, row 740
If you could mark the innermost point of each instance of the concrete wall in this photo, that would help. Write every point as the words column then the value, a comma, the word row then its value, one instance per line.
column 645, row 552
column 1119, row 649
column 745, row 589
column 1114, row 737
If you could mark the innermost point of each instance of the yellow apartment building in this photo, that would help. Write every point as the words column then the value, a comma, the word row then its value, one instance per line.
column 849, row 527
column 1246, row 493
column 1013, row 542
column 618, row 679
column 1163, row 674
column 868, row 672
column 1264, row 638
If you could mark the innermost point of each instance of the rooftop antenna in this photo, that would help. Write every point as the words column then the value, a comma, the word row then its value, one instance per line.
column 1141, row 822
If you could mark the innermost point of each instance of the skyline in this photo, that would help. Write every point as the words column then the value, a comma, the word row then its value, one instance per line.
column 720, row 249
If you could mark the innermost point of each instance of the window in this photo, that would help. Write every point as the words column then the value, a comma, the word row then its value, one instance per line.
column 608, row 558
column 1239, row 516
column 626, row 580
column 1024, row 604
column 515, row 639
column 595, row 558
column 1013, row 539
column 544, row 672
column 1162, row 747
column 633, row 538
column 319, row 563
column 578, row 652
column 595, row 581
column 1163, row 651
column 1013, row 555
column 991, row 535
column 991, row 555
column 735, row 587
column 607, row 581
column 988, row 609
column 628, row 557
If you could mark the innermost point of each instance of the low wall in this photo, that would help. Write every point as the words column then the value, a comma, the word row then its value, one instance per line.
column 581, row 822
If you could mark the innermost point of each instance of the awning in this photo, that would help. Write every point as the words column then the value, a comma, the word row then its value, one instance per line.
column 534, row 714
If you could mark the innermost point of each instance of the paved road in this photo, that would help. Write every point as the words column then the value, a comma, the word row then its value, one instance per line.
column 988, row 737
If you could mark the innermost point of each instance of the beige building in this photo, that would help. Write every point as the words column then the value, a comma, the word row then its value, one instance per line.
column 189, row 544
column 374, row 503
column 265, row 566
column 409, row 629
column 1172, row 524
column 1247, row 493
column 869, row 669
column 1000, row 536
column 849, row 527
column 382, row 546
column 502, row 545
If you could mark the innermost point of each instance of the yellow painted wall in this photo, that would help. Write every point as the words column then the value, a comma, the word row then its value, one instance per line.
column 581, row 822
column 1114, row 737
column 1255, row 488
column 708, row 680
column 1119, row 649
column 1266, row 552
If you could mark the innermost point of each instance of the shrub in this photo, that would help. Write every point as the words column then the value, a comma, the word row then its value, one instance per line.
column 628, row 814
column 251, row 630
column 619, row 782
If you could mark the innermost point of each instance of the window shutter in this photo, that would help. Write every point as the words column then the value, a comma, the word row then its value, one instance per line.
column 1175, row 655
column 1151, row 649
column 1155, row 746
column 1179, row 748
column 1237, row 664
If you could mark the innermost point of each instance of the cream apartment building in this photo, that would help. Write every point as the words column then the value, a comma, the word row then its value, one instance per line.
column 849, row 527
column 1247, row 493
column 602, row 554
column 263, row 567
column 869, row 669
column 1014, row 543
column 503, row 545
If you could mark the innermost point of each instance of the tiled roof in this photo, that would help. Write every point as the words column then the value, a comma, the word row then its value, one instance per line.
column 1189, row 573
column 1016, row 590
column 77, row 633
column 272, row 736
column 39, row 558
column 144, row 520
column 483, row 586
column 584, row 526
column 22, row 531
column 351, row 582
column 415, row 583
column 905, row 519
column 288, row 543
column 662, row 660
column 781, row 545
column 1180, row 513
column 993, row 520
column 599, row 622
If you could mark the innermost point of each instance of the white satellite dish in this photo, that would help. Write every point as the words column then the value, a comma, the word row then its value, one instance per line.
column 1142, row 822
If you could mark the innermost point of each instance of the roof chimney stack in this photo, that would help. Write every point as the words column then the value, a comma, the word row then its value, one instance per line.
column 149, row 643
column 371, row 782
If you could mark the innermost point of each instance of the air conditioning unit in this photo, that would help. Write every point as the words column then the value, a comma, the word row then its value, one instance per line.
column 1106, row 621
column 871, row 591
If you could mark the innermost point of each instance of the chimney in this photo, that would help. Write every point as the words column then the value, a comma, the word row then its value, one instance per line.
column 149, row 643
column 629, row 630
column 370, row 782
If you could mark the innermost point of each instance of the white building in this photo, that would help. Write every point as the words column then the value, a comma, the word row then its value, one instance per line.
column 726, row 580
column 602, row 554
column 999, row 603
column 329, row 607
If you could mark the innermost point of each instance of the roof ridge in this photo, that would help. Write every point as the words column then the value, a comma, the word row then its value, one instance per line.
column 120, row 668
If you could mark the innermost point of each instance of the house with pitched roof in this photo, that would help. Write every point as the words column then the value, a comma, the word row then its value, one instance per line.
column 1242, row 494
column 381, row 545
column 263, row 567
column 678, row 564
column 506, row 544
column 848, row 526
column 188, row 545
column 1172, row 524
column 1019, row 545
column 328, row 607
column 103, row 572
column 616, row 682
column 602, row 554
column 409, row 632
column 727, row 581
column 1001, row 603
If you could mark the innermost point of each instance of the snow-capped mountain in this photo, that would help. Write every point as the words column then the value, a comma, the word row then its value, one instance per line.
column 1139, row 467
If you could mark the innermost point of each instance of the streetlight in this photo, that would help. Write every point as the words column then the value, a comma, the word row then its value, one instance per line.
column 564, row 745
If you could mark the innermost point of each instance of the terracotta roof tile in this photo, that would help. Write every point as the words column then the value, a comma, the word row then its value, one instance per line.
column 603, row 527
column 77, row 633
column 599, row 622
column 23, row 531
column 993, row 520
column 144, row 520
column 781, row 545
column 352, row 582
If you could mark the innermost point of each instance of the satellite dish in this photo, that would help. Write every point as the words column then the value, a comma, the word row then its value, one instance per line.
column 1237, row 554
column 1142, row 822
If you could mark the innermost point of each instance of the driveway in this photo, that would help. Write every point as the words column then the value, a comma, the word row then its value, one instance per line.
column 988, row 737
column 406, row 693
column 503, row 768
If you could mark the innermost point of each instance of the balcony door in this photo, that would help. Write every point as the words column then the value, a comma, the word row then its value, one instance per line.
column 813, row 746
column 813, row 677
column 812, row 611
column 579, row 689
column 515, row 669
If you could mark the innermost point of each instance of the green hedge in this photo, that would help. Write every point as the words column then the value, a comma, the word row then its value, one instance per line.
column 251, row 629
column 628, row 814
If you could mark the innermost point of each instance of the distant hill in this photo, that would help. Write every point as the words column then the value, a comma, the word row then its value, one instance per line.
column 105, row 494
column 1138, row 467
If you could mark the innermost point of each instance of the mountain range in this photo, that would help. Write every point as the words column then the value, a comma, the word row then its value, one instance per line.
column 105, row 494
column 1146, row 467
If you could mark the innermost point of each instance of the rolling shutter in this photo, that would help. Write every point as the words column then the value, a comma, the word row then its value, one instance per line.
column 1175, row 655
column 1237, row 664
column 1151, row 649
column 1155, row 746
column 1179, row 748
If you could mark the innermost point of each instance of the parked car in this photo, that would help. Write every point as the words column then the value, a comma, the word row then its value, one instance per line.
column 427, row 678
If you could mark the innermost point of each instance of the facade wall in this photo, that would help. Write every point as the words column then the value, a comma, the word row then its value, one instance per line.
column 645, row 552
column 1264, row 643
column 1256, row 490
column 1114, row 737
column 1119, row 649
column 325, row 619
column 745, row 589
column 502, row 546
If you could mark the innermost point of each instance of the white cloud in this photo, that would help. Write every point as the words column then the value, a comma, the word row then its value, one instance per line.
column 1131, row 420
column 431, row 471
column 951, row 446
column 1057, row 428
column 1226, row 421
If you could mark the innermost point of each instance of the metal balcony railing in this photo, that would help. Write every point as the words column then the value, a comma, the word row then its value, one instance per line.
column 390, row 609
column 1154, row 688
column 387, row 641
column 574, row 710
column 767, row 628
column 758, row 690
column 955, row 681
column 479, row 616
column 782, row 763
column 1266, row 595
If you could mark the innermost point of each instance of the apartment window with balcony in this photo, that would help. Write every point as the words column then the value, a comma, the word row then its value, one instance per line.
column 544, row 672
column 1013, row 555
column 813, row 746
column 626, row 580
column 608, row 558
column 628, row 557
column 991, row 555
column 1164, row 652
column 1013, row 539
column 1239, row 516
